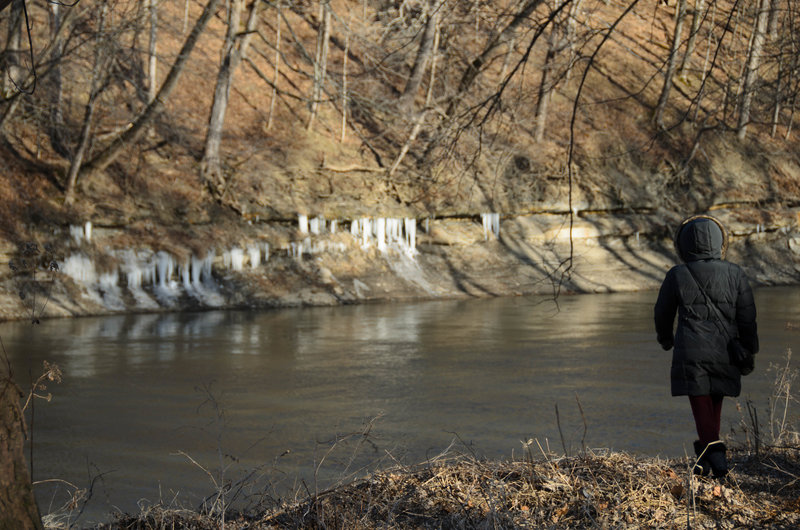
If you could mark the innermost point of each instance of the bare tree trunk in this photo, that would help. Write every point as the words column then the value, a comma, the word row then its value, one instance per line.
column 277, row 67
column 55, row 129
column 774, row 18
column 18, row 508
column 751, row 70
column 321, row 60
column 232, row 55
column 152, row 58
column 507, row 59
column 699, row 98
column 776, row 113
column 421, row 116
column 344, row 81
column 475, row 66
column 210, row 168
column 697, row 16
column 545, row 88
column 671, row 64
column 573, row 12
column 98, row 75
column 12, row 72
column 423, row 55
column 132, row 133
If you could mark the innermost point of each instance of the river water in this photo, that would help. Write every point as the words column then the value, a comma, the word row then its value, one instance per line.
column 160, row 408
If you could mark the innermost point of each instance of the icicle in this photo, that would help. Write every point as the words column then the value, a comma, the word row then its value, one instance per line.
column 302, row 222
column 380, row 233
column 186, row 274
column 491, row 223
column 317, row 225
column 486, row 225
column 354, row 227
column 266, row 252
column 87, row 231
column 366, row 229
column 411, row 233
column 197, row 270
column 165, row 265
column 237, row 259
column 108, row 281
column 133, row 272
column 76, row 232
column 254, row 254
column 80, row 268
column 333, row 226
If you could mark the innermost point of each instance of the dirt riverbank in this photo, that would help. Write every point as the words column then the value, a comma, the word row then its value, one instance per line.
column 597, row 489
column 108, row 270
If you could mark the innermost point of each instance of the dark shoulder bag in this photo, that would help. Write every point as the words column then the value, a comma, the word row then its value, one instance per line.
column 740, row 357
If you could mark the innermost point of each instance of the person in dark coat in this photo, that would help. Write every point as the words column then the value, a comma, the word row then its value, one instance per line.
column 701, row 367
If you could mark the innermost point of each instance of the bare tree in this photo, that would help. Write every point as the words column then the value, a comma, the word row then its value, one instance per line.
column 680, row 15
column 320, row 60
column 344, row 78
column 423, row 56
column 774, row 17
column 475, row 66
column 276, row 66
column 12, row 74
column 110, row 153
column 56, row 127
column 698, row 13
column 751, row 69
column 234, row 48
column 98, row 80
column 151, row 10
column 557, row 41
column 19, row 510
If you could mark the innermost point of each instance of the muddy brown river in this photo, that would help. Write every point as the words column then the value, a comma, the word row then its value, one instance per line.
column 167, row 407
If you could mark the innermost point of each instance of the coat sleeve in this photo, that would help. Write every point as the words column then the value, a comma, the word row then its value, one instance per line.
column 746, row 315
column 666, row 306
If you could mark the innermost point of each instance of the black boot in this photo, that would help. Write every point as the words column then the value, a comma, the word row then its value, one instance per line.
column 715, row 455
column 701, row 466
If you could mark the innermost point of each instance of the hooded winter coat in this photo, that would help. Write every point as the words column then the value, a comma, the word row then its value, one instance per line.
column 700, row 362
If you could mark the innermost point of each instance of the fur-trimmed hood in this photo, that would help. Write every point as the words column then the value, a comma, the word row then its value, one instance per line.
column 701, row 237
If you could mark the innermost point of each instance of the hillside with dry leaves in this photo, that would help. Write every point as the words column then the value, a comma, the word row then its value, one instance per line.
column 610, row 120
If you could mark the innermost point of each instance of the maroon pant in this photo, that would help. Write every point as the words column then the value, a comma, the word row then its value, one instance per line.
column 707, row 411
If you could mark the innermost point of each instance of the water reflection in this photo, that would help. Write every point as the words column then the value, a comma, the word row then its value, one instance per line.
column 489, row 372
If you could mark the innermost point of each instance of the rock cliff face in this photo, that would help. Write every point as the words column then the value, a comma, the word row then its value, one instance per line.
column 103, row 270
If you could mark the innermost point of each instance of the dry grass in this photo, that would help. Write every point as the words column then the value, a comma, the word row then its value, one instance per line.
column 594, row 490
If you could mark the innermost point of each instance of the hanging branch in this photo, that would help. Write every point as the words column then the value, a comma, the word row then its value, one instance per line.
column 568, row 263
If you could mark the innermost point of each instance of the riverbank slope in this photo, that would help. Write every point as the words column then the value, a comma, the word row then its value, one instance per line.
column 390, row 199
column 594, row 489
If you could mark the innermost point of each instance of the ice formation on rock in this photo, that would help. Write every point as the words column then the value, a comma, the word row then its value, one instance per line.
column 254, row 255
column 491, row 224
column 386, row 232
column 80, row 268
column 317, row 225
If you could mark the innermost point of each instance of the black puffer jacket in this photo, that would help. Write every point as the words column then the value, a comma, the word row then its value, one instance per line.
column 700, row 364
